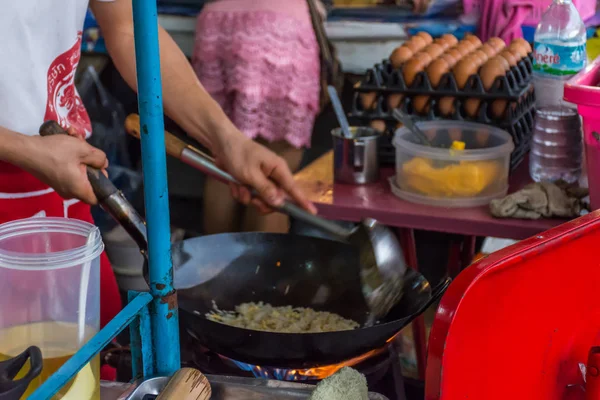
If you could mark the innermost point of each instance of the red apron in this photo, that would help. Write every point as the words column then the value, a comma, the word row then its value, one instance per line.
column 24, row 196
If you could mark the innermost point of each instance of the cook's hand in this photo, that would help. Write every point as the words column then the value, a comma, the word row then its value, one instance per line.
column 60, row 161
column 260, row 168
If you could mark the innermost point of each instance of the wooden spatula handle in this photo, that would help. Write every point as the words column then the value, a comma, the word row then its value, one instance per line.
column 186, row 384
column 174, row 145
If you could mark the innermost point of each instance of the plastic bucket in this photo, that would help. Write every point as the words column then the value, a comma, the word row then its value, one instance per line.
column 50, row 295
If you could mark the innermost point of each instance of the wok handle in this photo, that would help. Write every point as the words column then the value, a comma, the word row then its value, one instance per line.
column 201, row 161
column 103, row 187
column 109, row 197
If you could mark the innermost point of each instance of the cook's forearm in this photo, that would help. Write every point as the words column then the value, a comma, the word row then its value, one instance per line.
column 185, row 100
column 12, row 147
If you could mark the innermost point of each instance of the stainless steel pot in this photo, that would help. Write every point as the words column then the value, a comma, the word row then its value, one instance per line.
column 355, row 159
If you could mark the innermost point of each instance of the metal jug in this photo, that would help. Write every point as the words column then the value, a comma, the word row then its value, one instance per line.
column 355, row 159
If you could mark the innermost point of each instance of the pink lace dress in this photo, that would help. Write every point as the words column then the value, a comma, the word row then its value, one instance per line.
column 260, row 60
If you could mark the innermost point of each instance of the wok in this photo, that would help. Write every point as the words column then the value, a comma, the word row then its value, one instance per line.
column 280, row 269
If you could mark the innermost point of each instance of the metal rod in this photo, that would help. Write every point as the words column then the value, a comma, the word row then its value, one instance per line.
column 92, row 348
column 140, row 331
column 205, row 163
column 164, row 315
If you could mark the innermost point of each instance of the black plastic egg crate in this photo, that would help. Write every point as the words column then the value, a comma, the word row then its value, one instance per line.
column 384, row 79
column 515, row 87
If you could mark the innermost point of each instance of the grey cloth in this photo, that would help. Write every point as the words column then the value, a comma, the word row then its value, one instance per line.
column 541, row 200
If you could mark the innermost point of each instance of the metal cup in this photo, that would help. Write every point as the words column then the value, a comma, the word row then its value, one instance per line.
column 355, row 159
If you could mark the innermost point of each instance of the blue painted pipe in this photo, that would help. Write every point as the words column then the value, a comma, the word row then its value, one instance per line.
column 164, row 314
column 92, row 348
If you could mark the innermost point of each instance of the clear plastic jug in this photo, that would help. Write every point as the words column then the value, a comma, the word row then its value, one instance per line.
column 50, row 296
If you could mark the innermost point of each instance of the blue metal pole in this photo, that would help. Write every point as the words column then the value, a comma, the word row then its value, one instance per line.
column 164, row 315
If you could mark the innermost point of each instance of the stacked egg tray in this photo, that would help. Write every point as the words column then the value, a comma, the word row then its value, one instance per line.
column 515, row 88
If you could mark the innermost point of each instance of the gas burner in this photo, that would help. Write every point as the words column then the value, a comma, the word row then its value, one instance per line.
column 381, row 368
column 376, row 359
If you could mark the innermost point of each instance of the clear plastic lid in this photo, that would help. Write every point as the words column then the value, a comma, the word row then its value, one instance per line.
column 482, row 142
column 48, row 243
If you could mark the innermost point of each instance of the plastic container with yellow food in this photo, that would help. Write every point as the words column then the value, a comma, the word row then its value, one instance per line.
column 467, row 166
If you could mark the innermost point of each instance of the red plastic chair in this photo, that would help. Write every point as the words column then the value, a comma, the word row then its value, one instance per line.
column 517, row 324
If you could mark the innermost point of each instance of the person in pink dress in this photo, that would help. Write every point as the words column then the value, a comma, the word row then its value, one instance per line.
column 259, row 59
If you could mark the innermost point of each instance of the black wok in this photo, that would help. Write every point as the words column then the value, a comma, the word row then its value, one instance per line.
column 234, row 268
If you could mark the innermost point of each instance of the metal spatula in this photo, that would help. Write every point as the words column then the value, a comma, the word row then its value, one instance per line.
column 382, row 262
column 405, row 119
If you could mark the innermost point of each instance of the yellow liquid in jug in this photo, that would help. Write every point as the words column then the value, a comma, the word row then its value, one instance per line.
column 57, row 341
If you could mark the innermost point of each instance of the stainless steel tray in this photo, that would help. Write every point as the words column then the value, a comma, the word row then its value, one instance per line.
column 235, row 388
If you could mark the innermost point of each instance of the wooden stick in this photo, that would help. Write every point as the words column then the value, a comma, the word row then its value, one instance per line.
column 187, row 384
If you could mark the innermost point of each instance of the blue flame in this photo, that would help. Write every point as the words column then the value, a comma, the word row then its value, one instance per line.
column 280, row 374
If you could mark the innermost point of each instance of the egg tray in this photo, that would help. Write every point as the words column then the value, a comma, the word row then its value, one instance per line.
column 516, row 108
column 384, row 79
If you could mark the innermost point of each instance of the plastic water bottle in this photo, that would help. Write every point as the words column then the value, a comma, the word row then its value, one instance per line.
column 557, row 147
column 559, row 50
column 559, row 53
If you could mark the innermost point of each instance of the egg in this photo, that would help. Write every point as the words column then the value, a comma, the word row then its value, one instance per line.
column 436, row 70
column 509, row 56
column 442, row 43
column 490, row 71
column 368, row 100
column 523, row 43
column 518, row 50
column 488, row 50
column 454, row 53
column 412, row 68
column 503, row 61
column 481, row 56
column 499, row 109
column 482, row 137
column 412, row 47
column 446, row 106
column 463, row 49
column 394, row 100
column 496, row 43
column 416, row 44
column 426, row 36
column 472, row 107
column 473, row 39
column 421, row 104
column 378, row 125
column 434, row 50
column 466, row 44
column 450, row 39
column 450, row 60
column 463, row 70
column 424, row 58
column 399, row 56
column 455, row 134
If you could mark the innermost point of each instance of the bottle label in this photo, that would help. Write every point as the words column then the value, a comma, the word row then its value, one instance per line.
column 558, row 60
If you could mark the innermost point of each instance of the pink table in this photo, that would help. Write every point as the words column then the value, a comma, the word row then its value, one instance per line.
column 354, row 203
